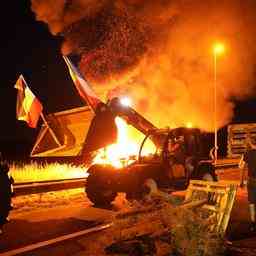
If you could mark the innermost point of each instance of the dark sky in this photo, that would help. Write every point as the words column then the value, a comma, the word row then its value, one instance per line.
column 29, row 48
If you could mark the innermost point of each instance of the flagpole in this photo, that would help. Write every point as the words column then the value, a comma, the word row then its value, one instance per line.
column 50, row 129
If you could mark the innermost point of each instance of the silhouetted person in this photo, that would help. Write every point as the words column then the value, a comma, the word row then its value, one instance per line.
column 5, row 194
column 249, row 158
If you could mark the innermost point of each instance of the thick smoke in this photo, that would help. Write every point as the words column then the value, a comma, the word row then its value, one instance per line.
column 161, row 52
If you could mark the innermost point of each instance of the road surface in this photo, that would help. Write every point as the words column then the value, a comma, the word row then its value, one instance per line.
column 45, row 223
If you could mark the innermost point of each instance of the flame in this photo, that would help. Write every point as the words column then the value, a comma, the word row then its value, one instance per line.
column 189, row 125
column 125, row 101
column 126, row 150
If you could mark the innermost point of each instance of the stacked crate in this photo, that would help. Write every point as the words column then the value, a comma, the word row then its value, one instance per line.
column 220, row 199
column 237, row 134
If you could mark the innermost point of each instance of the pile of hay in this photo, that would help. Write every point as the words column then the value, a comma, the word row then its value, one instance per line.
column 159, row 228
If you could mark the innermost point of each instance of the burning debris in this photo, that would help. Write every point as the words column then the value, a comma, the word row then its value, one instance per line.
column 180, row 232
column 158, row 226
column 160, row 52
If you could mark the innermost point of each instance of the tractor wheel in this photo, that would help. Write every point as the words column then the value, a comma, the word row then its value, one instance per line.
column 139, row 192
column 98, row 193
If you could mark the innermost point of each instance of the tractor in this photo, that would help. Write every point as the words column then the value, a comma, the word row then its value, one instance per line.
column 179, row 156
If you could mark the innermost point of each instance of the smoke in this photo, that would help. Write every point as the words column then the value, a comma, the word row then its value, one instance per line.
column 161, row 53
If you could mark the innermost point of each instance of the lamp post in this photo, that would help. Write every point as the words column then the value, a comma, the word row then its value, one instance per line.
column 218, row 49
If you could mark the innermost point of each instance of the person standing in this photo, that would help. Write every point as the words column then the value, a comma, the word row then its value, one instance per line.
column 248, row 160
column 5, row 194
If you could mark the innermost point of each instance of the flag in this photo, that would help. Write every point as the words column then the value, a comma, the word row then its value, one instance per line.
column 28, row 107
column 84, row 89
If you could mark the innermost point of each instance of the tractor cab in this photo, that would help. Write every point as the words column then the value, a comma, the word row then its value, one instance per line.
column 178, row 154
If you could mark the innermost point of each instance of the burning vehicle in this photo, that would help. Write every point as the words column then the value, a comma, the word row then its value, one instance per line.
column 175, row 156
column 155, row 50
column 178, row 156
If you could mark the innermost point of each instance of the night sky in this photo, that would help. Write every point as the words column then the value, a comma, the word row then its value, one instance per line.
column 29, row 49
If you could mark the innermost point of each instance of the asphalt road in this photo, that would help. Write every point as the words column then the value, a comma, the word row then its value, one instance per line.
column 43, row 224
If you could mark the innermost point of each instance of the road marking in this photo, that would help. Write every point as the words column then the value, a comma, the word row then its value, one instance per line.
column 56, row 240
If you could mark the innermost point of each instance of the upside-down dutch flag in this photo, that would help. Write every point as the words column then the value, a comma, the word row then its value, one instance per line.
column 28, row 107
column 84, row 90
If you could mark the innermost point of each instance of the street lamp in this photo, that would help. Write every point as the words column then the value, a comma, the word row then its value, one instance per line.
column 218, row 49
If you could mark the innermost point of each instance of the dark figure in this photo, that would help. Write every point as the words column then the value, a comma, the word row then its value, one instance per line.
column 249, row 158
column 176, row 158
column 5, row 194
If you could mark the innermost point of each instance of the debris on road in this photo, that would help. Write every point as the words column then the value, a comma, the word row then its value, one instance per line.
column 157, row 227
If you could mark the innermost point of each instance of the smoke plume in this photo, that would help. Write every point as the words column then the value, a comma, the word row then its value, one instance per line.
column 161, row 53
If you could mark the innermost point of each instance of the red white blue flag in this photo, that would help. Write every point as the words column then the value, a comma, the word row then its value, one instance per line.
column 82, row 86
column 28, row 107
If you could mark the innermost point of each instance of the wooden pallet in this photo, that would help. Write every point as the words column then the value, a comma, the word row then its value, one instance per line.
column 220, row 199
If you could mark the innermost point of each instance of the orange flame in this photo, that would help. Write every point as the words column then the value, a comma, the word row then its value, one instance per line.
column 189, row 125
column 126, row 150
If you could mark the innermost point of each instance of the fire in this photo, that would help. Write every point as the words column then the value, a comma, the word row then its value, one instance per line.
column 189, row 125
column 126, row 150
column 126, row 101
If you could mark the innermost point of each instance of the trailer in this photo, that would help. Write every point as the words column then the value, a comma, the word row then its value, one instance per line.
column 63, row 134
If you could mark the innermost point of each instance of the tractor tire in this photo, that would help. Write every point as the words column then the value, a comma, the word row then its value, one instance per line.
column 140, row 192
column 98, row 193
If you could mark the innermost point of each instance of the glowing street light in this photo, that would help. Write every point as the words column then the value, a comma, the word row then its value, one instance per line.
column 125, row 101
column 189, row 125
column 218, row 49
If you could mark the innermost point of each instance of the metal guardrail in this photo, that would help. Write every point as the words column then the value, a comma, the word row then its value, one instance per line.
column 47, row 186
column 56, row 185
